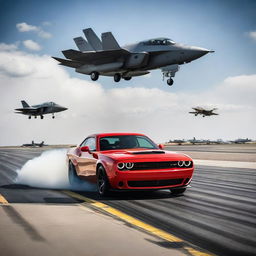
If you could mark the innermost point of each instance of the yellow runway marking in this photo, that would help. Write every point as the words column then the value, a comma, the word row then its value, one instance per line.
column 146, row 227
column 3, row 200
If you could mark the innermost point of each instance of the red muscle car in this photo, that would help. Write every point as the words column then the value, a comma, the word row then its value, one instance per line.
column 128, row 161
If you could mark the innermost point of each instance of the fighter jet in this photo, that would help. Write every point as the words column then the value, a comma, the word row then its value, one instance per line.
column 39, row 110
column 33, row 144
column 105, row 57
column 203, row 112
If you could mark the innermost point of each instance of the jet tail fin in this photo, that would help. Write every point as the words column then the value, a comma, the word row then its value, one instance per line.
column 24, row 104
column 82, row 44
column 109, row 42
column 93, row 40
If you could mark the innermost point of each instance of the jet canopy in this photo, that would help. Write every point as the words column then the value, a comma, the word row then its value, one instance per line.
column 159, row 41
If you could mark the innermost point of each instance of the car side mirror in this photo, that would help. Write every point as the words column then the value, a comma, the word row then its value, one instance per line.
column 161, row 146
column 85, row 149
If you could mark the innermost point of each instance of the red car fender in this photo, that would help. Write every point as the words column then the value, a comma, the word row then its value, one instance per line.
column 108, row 165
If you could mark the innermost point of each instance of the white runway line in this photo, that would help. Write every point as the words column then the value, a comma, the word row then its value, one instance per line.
column 232, row 164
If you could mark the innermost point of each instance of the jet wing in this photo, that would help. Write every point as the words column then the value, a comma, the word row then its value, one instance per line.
column 68, row 63
column 94, row 57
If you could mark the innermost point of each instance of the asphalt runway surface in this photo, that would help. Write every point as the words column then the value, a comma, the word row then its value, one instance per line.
column 218, row 213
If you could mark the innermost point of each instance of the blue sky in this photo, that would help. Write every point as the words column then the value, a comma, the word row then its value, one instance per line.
column 218, row 25
column 225, row 79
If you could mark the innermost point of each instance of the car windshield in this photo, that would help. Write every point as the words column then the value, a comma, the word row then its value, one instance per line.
column 126, row 142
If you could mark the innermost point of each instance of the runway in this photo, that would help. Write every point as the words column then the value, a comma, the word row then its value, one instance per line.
column 218, row 213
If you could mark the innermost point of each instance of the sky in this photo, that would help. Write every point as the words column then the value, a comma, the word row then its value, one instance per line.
column 33, row 31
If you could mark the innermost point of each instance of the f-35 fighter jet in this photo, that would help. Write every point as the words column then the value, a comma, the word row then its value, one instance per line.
column 203, row 112
column 39, row 110
column 105, row 57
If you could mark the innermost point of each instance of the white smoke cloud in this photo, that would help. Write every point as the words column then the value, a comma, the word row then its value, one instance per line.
column 92, row 108
column 49, row 170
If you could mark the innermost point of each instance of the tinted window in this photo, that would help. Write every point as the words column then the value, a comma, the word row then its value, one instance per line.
column 126, row 142
column 89, row 142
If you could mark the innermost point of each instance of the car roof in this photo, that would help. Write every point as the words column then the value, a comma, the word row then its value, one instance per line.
column 114, row 134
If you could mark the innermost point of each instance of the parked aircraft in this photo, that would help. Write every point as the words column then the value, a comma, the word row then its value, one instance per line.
column 241, row 141
column 40, row 109
column 105, row 57
column 204, row 112
column 33, row 144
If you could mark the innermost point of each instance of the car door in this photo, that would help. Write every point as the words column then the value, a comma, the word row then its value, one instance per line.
column 86, row 161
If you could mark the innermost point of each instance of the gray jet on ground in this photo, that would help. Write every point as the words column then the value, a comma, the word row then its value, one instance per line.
column 105, row 57
column 204, row 112
column 40, row 109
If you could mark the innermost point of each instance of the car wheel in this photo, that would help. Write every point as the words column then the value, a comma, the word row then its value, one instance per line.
column 177, row 191
column 102, row 182
column 72, row 175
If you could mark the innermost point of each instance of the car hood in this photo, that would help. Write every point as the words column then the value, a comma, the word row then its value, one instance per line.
column 145, row 155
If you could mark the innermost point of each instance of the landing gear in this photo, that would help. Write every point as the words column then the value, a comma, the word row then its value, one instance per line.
column 169, row 72
column 35, row 117
column 42, row 117
column 170, row 81
column 53, row 116
column 29, row 117
column 127, row 78
column 117, row 77
column 94, row 76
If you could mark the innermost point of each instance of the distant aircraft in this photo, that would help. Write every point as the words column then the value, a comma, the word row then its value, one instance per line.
column 204, row 112
column 33, row 144
column 241, row 141
column 105, row 57
column 195, row 141
column 40, row 109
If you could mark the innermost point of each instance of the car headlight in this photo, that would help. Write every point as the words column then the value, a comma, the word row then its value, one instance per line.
column 129, row 166
column 122, row 166
column 187, row 163
column 180, row 163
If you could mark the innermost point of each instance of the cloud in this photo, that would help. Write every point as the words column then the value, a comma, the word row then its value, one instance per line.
column 32, row 45
column 252, row 35
column 8, row 47
column 24, row 27
column 92, row 108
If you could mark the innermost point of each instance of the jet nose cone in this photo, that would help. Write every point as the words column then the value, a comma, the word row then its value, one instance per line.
column 197, row 52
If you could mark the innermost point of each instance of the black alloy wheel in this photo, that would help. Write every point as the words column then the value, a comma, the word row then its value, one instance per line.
column 72, row 175
column 102, row 182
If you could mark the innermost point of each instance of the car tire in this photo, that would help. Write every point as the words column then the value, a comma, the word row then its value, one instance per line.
column 178, row 191
column 72, row 175
column 102, row 182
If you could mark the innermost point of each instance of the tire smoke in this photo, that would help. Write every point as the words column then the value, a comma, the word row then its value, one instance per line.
column 49, row 170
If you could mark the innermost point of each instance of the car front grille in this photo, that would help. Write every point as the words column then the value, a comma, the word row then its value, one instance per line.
column 157, row 165
column 154, row 183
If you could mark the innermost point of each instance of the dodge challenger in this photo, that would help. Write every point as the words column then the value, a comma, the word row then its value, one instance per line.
column 128, row 161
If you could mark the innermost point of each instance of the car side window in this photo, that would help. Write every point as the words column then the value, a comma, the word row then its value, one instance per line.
column 89, row 142
column 144, row 143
